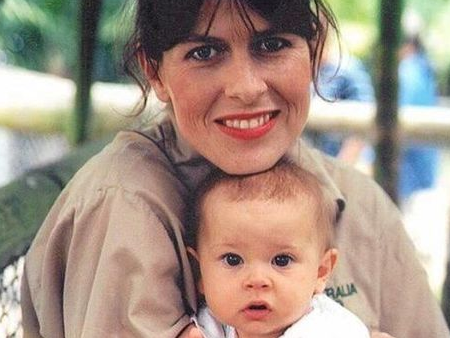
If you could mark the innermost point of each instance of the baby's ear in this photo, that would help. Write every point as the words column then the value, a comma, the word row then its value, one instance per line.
column 195, row 264
column 327, row 264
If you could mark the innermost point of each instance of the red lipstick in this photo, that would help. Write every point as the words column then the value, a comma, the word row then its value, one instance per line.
column 249, row 133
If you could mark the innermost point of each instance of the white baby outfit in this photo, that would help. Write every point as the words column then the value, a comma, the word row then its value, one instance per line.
column 327, row 319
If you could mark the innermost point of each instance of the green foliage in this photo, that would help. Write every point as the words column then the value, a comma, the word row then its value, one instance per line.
column 23, row 206
column 365, row 12
column 37, row 35
column 354, row 10
column 42, row 35
column 427, row 9
column 359, row 26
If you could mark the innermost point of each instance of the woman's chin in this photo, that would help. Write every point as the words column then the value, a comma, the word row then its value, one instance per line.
column 248, row 166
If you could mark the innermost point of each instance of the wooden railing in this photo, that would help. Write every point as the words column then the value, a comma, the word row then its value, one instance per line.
column 40, row 102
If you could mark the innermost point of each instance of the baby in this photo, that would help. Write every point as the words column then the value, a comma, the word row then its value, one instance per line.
column 264, row 253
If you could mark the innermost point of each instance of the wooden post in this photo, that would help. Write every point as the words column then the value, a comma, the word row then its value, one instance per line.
column 445, row 302
column 89, row 16
column 386, row 78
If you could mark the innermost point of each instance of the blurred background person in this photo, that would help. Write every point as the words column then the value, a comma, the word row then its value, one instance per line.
column 419, row 162
column 343, row 76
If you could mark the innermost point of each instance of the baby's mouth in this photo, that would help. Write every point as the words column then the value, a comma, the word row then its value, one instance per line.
column 257, row 307
column 257, row 311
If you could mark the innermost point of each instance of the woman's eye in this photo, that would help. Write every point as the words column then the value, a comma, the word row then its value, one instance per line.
column 232, row 259
column 203, row 53
column 271, row 45
column 282, row 260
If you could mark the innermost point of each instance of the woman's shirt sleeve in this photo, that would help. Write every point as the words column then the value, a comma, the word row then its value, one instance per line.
column 109, row 268
column 109, row 260
column 408, row 308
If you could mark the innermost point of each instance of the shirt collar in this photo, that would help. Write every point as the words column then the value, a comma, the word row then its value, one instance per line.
column 313, row 161
column 186, row 157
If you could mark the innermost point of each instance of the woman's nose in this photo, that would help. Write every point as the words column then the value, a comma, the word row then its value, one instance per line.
column 244, row 81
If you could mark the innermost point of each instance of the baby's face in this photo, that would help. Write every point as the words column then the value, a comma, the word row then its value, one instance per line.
column 261, row 262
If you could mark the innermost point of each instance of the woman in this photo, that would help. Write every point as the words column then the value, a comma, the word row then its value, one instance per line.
column 110, row 260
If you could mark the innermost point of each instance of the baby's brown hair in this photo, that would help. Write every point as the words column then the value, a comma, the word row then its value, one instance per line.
column 283, row 181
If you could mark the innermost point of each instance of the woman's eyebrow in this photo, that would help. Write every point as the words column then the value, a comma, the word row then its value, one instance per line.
column 203, row 39
column 208, row 39
column 266, row 33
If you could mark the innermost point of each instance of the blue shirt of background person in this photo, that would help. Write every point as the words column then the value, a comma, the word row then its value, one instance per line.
column 349, row 81
column 417, row 86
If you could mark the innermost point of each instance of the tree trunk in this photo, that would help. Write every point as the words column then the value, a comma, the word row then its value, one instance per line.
column 89, row 16
column 445, row 303
column 387, row 143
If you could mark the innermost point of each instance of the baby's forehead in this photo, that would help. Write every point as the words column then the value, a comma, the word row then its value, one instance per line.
column 260, row 227
column 287, row 212
column 304, row 209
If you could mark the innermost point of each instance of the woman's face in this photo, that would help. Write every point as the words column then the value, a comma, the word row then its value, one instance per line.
column 240, row 96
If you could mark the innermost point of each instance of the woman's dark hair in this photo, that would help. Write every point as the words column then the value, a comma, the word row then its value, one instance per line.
column 161, row 24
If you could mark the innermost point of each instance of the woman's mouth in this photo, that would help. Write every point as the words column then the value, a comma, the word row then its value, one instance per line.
column 248, row 127
column 248, row 123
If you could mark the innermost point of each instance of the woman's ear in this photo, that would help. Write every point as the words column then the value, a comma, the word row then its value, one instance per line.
column 195, row 262
column 153, row 77
column 327, row 264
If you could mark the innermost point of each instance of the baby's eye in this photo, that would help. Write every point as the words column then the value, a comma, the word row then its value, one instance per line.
column 282, row 260
column 203, row 53
column 232, row 259
column 270, row 44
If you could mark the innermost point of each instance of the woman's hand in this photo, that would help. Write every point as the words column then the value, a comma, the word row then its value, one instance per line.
column 373, row 334
column 193, row 332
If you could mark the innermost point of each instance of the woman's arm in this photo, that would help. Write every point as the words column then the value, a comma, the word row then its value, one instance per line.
column 110, row 267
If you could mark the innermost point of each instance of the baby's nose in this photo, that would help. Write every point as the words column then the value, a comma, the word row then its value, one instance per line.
column 257, row 279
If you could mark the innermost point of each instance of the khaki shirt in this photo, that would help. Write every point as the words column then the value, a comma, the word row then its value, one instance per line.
column 109, row 260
